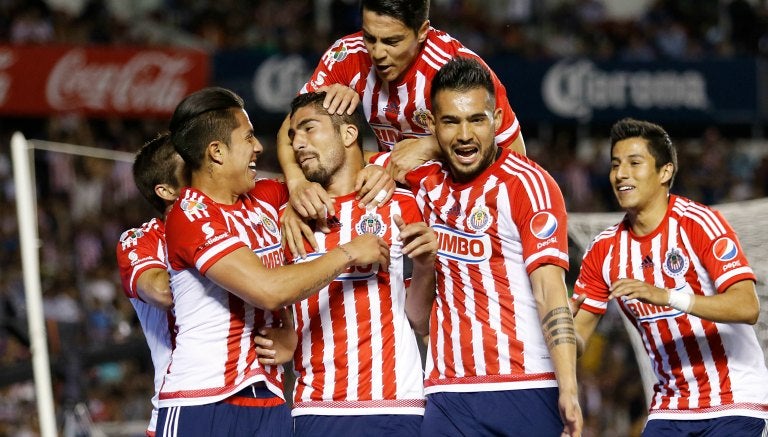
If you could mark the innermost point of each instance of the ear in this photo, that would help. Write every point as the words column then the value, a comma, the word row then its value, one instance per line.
column 167, row 192
column 349, row 134
column 421, row 35
column 431, row 121
column 215, row 152
column 498, row 114
column 666, row 172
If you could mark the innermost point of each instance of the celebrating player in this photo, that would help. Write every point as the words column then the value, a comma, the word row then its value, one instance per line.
column 227, row 278
column 677, row 271
column 501, row 336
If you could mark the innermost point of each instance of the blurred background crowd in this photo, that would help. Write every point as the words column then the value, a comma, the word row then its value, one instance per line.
column 97, row 348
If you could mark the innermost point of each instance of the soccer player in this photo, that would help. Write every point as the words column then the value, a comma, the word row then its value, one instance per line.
column 389, row 66
column 141, row 255
column 358, row 364
column 677, row 271
column 501, row 335
column 227, row 278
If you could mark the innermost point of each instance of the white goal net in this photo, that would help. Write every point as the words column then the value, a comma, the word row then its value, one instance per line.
column 746, row 217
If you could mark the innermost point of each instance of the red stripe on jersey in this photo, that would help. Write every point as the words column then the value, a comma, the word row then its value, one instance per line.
column 340, row 339
column 365, row 349
column 715, row 343
column 317, row 351
column 692, row 349
column 388, row 336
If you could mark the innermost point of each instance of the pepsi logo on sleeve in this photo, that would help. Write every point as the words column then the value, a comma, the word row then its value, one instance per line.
column 543, row 225
column 725, row 249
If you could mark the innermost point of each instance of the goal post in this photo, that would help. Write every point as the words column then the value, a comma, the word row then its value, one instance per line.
column 30, row 261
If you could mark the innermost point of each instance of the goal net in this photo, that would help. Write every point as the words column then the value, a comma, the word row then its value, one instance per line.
column 745, row 217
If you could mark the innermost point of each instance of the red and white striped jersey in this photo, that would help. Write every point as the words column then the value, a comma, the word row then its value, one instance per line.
column 396, row 111
column 485, row 333
column 214, row 355
column 141, row 249
column 357, row 353
column 704, row 369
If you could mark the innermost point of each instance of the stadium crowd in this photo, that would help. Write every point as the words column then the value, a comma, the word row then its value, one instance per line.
column 84, row 203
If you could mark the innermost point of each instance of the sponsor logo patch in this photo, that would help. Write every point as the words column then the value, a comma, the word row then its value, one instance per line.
column 543, row 225
column 725, row 249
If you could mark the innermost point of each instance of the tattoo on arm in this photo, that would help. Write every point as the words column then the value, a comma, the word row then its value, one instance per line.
column 558, row 327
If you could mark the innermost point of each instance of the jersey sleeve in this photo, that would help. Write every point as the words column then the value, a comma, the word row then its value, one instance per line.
column 139, row 250
column 538, row 210
column 271, row 191
column 718, row 248
column 197, row 234
column 590, row 281
column 340, row 64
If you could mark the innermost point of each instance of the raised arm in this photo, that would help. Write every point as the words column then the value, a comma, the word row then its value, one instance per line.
column 242, row 273
column 549, row 291
column 420, row 245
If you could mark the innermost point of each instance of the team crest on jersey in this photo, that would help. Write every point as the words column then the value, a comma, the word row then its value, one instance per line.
column 130, row 237
column 371, row 223
column 479, row 219
column 421, row 117
column 725, row 249
column 543, row 225
column 339, row 51
column 269, row 224
column 675, row 262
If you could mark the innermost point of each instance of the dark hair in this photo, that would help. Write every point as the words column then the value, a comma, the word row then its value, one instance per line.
column 462, row 74
column 202, row 117
column 659, row 144
column 156, row 163
column 412, row 13
column 357, row 118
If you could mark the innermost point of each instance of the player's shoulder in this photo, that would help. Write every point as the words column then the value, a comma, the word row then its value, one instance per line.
column 691, row 214
column 522, row 171
column 191, row 205
column 349, row 46
column 152, row 229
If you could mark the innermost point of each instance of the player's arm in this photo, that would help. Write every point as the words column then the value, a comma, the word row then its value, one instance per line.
column 410, row 153
column 242, row 272
column 154, row 287
column 549, row 291
column 585, row 323
column 420, row 245
column 737, row 304
column 277, row 345
column 518, row 145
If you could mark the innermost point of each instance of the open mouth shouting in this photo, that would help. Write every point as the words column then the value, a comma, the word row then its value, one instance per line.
column 467, row 153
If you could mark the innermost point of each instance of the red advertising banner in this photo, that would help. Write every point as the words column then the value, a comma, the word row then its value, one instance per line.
column 98, row 81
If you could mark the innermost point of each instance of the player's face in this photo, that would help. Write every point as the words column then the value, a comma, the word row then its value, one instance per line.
column 636, row 181
column 391, row 45
column 241, row 155
column 464, row 123
column 317, row 145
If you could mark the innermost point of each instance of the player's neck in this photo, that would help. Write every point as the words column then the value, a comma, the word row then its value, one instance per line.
column 647, row 218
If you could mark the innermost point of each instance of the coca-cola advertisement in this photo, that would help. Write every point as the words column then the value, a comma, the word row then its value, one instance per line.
column 98, row 81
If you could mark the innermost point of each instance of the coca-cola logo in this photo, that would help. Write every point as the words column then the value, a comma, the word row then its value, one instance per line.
column 147, row 82
column 575, row 89
column 6, row 61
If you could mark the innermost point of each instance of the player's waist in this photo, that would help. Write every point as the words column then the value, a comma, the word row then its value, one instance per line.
column 413, row 405
column 475, row 383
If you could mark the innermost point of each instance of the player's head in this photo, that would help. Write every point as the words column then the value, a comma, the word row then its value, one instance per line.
column 464, row 117
column 325, row 143
column 211, row 128
column 158, row 172
column 643, row 161
column 393, row 32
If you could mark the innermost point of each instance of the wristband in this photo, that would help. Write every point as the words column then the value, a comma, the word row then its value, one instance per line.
column 680, row 301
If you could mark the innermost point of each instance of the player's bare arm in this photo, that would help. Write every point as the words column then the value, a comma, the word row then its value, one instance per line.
column 548, row 286
column 585, row 324
column 737, row 304
column 243, row 274
column 410, row 153
column 276, row 345
column 420, row 245
column 518, row 145
column 154, row 287
column 293, row 231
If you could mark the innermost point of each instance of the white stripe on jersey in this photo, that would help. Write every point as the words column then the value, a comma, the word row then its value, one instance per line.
column 215, row 251
column 434, row 51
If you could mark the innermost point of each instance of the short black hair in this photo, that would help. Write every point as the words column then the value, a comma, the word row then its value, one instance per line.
column 357, row 118
column 412, row 13
column 462, row 74
column 660, row 146
column 202, row 117
column 156, row 163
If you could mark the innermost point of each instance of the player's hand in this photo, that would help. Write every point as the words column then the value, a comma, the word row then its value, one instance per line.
column 293, row 232
column 575, row 304
column 640, row 290
column 276, row 345
column 419, row 240
column 374, row 186
column 368, row 249
column 311, row 201
column 410, row 153
column 570, row 413
column 340, row 99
